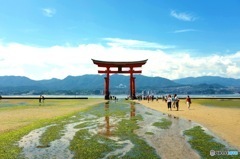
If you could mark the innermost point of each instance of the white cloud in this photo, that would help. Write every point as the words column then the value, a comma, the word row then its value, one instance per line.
column 61, row 61
column 184, row 30
column 137, row 44
column 182, row 16
column 49, row 12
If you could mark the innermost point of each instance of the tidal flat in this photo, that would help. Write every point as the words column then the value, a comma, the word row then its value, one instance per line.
column 105, row 130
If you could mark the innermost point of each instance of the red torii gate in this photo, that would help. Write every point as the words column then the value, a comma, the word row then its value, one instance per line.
column 119, row 65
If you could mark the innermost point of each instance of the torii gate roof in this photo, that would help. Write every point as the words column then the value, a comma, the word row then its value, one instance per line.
column 119, row 63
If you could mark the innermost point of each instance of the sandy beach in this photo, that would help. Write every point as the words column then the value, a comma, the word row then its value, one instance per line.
column 224, row 122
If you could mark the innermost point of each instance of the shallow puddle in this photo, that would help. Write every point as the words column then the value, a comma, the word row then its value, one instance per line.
column 57, row 149
column 168, row 143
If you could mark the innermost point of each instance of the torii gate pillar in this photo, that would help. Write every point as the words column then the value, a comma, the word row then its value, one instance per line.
column 106, row 90
column 132, row 84
column 119, row 65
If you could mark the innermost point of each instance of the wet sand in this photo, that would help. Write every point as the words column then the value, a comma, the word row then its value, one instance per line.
column 168, row 143
column 224, row 122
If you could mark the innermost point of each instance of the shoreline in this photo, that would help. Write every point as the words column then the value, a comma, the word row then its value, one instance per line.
column 123, row 96
column 223, row 122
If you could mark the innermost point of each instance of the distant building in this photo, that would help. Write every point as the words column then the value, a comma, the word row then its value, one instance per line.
column 121, row 86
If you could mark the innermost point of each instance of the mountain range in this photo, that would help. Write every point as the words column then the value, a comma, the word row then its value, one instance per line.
column 227, row 82
column 118, row 83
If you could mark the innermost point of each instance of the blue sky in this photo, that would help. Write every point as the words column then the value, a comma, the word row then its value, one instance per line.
column 45, row 39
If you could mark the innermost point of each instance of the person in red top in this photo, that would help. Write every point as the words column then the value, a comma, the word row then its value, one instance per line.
column 188, row 101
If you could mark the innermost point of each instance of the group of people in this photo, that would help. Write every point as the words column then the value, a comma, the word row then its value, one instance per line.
column 173, row 101
column 148, row 97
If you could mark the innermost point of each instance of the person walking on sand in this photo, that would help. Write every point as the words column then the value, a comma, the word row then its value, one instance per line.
column 188, row 101
column 40, row 99
column 169, row 102
column 176, row 99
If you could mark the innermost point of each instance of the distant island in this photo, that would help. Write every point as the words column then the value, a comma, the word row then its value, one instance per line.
column 119, row 84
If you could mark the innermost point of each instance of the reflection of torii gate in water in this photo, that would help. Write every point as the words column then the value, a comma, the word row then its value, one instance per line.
column 120, row 65
column 107, row 120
